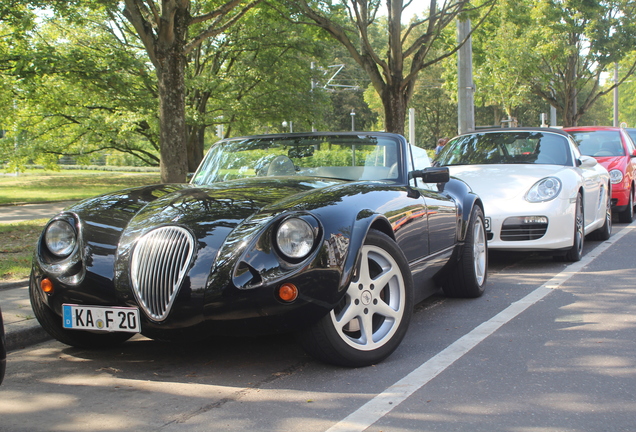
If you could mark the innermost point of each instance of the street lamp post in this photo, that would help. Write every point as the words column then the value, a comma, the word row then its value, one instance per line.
column 353, row 120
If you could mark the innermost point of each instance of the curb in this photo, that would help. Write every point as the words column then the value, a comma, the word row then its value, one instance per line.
column 26, row 337
column 14, row 284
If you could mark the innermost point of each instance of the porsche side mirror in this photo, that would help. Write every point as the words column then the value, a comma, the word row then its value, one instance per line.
column 587, row 162
column 432, row 175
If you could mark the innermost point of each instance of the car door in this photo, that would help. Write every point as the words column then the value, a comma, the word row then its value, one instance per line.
column 441, row 210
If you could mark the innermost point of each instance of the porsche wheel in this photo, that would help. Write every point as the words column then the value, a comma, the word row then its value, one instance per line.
column 627, row 215
column 576, row 252
column 372, row 318
column 468, row 278
column 604, row 232
column 52, row 323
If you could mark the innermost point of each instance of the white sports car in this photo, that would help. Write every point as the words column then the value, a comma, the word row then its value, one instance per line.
column 539, row 192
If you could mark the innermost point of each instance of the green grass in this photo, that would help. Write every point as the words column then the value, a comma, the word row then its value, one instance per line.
column 17, row 240
column 42, row 186
column 17, row 243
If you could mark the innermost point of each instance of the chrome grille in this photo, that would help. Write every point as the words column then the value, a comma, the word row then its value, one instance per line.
column 159, row 263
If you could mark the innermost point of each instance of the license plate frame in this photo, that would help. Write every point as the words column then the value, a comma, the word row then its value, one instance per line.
column 101, row 318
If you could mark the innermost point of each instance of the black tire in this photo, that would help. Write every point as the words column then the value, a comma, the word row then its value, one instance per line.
column 604, row 232
column 576, row 252
column 627, row 215
column 469, row 276
column 384, row 311
column 52, row 323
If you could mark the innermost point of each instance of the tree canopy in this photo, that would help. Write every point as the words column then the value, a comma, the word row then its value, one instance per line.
column 151, row 82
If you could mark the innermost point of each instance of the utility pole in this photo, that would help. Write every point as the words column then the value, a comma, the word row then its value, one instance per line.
column 465, row 86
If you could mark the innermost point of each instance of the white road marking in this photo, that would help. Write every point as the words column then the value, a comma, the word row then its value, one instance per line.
column 386, row 401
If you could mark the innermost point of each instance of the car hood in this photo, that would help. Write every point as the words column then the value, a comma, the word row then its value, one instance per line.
column 503, row 182
column 613, row 162
column 202, row 209
column 221, row 217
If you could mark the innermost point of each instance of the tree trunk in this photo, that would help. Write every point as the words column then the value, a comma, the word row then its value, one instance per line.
column 196, row 136
column 394, row 110
column 172, row 136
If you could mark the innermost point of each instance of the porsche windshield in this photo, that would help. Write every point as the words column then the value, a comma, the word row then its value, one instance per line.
column 510, row 147
column 349, row 157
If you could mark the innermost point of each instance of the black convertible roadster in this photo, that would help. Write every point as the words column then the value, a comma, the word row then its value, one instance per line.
column 332, row 236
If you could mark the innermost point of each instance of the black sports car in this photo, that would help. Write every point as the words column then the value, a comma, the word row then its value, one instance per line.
column 333, row 236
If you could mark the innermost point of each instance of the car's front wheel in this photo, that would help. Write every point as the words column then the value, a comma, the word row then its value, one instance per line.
column 575, row 253
column 627, row 215
column 52, row 323
column 468, row 278
column 373, row 316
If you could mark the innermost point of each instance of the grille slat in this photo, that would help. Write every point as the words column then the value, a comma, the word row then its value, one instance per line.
column 523, row 232
column 159, row 263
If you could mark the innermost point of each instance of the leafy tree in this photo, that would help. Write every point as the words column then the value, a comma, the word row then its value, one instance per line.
column 251, row 79
column 626, row 100
column 393, row 65
column 82, row 88
column 169, row 34
column 575, row 43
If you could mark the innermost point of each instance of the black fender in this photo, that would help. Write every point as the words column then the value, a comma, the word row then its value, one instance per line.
column 466, row 200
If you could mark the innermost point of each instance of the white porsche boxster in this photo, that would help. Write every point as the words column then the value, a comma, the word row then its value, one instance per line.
column 539, row 192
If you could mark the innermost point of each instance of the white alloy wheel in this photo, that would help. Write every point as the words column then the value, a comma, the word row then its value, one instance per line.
column 374, row 303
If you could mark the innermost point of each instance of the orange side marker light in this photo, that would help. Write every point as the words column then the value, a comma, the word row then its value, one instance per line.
column 288, row 292
column 47, row 286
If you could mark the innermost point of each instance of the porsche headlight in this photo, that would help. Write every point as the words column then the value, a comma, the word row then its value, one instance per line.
column 544, row 190
column 60, row 238
column 616, row 176
column 295, row 238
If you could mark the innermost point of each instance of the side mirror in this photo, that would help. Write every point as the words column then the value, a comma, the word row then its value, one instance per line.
column 432, row 175
column 633, row 154
column 587, row 161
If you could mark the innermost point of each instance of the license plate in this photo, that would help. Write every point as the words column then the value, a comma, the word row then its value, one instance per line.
column 487, row 224
column 100, row 318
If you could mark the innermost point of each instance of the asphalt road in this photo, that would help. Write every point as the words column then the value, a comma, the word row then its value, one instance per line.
column 549, row 347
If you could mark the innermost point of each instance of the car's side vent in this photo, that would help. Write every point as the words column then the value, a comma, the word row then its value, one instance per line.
column 159, row 263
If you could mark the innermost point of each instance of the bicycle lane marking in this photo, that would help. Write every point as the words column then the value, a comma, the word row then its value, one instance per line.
column 385, row 402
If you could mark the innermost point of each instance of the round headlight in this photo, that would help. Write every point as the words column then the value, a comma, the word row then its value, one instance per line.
column 295, row 238
column 616, row 176
column 60, row 238
column 544, row 190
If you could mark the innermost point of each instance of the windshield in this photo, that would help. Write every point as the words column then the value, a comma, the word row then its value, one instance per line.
column 599, row 143
column 510, row 147
column 348, row 157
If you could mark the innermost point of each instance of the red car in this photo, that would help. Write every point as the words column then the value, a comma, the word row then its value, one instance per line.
column 615, row 150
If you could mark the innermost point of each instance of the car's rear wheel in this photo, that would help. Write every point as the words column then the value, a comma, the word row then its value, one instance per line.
column 627, row 215
column 468, row 278
column 373, row 316
column 52, row 323
column 575, row 253
column 604, row 232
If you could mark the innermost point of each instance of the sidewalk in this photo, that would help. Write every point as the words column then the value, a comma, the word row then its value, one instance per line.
column 18, row 213
column 20, row 325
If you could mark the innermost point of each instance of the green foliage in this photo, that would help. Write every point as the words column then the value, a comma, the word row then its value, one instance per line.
column 80, row 88
column 556, row 50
